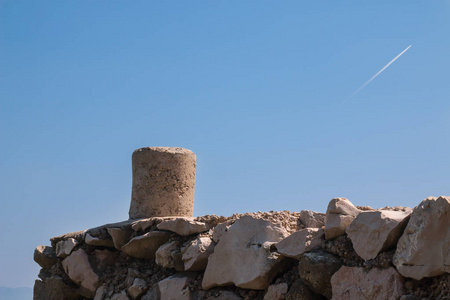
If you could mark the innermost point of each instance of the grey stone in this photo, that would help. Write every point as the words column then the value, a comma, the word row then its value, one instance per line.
column 183, row 226
column 312, row 219
column 300, row 242
column 276, row 291
column 424, row 248
column 120, row 236
column 242, row 256
column 175, row 288
column 145, row 246
column 195, row 254
column 299, row 291
column 45, row 256
column 372, row 232
column 99, row 242
column 138, row 288
column 79, row 270
column 169, row 256
column 65, row 247
column 356, row 283
column 316, row 268
column 340, row 213
column 53, row 288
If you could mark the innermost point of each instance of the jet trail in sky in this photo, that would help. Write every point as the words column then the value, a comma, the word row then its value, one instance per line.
column 379, row 72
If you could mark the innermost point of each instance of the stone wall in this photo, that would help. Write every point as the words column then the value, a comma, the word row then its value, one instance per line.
column 347, row 253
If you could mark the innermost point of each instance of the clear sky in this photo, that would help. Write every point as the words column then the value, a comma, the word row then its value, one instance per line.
column 259, row 90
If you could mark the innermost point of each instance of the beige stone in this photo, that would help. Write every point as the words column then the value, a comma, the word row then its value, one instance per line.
column 79, row 270
column 45, row 256
column 276, row 291
column 163, row 182
column 312, row 219
column 300, row 242
column 424, row 248
column 175, row 288
column 242, row 256
column 340, row 213
column 195, row 254
column 65, row 247
column 169, row 256
column 351, row 283
column 183, row 226
column 145, row 246
column 375, row 231
column 99, row 242
column 138, row 288
column 143, row 224
column 220, row 229
column 120, row 236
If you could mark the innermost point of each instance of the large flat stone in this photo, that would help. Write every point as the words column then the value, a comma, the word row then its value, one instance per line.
column 351, row 283
column 175, row 287
column 79, row 270
column 300, row 242
column 183, row 226
column 242, row 256
column 145, row 246
column 375, row 231
column 424, row 248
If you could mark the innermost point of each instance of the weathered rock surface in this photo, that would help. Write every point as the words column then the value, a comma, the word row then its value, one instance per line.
column 220, row 229
column 424, row 248
column 175, row 287
column 183, row 226
column 138, row 288
column 340, row 213
column 79, row 270
column 299, row 291
column 300, row 242
column 169, row 256
column 316, row 269
column 276, row 291
column 96, row 241
column 354, row 283
column 120, row 296
column 312, row 219
column 65, row 247
column 195, row 254
column 163, row 182
column 145, row 246
column 120, row 236
column 374, row 231
column 45, row 256
column 242, row 256
column 53, row 288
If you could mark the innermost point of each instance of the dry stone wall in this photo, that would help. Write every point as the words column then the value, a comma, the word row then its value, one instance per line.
column 164, row 253
column 388, row 253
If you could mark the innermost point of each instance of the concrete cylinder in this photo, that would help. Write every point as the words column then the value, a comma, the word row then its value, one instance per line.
column 163, row 182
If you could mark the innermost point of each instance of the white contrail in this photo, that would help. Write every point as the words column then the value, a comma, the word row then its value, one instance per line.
column 379, row 72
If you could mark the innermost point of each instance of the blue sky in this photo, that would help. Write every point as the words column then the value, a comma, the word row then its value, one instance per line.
column 257, row 89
